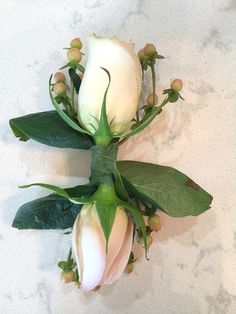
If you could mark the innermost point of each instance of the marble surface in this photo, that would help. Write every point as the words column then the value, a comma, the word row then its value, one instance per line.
column 193, row 260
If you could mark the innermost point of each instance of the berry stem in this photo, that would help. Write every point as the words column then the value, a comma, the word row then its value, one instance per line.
column 153, row 81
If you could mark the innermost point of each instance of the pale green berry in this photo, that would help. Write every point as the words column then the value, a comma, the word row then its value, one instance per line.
column 150, row 99
column 67, row 276
column 154, row 222
column 149, row 50
column 141, row 54
column 129, row 268
column 74, row 55
column 59, row 88
column 177, row 85
column 76, row 43
column 59, row 77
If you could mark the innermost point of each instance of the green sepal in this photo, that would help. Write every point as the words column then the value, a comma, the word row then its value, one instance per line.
column 103, row 135
column 76, row 80
column 106, row 212
column 138, row 219
column 74, row 65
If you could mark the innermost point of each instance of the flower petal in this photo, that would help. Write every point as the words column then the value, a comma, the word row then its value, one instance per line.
column 122, row 258
column 89, row 248
column 124, row 92
column 116, row 239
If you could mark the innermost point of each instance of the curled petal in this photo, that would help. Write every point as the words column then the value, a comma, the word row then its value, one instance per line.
column 89, row 247
column 122, row 258
column 116, row 239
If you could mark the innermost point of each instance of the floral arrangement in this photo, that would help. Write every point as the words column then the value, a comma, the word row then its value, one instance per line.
column 98, row 108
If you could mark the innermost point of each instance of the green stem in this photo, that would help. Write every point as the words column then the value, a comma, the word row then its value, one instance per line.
column 153, row 81
column 72, row 94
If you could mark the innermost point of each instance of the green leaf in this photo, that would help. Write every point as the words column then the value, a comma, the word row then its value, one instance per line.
column 75, row 79
column 48, row 128
column 62, row 114
column 106, row 213
column 168, row 188
column 52, row 211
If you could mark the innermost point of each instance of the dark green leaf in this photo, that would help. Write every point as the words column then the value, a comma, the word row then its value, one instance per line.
column 51, row 212
column 168, row 188
column 48, row 128
column 76, row 80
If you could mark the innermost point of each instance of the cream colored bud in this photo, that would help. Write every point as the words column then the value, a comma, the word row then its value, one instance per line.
column 141, row 54
column 67, row 276
column 149, row 50
column 59, row 88
column 150, row 99
column 74, row 55
column 125, row 69
column 129, row 268
column 59, row 77
column 177, row 85
column 76, row 43
column 154, row 222
column 95, row 265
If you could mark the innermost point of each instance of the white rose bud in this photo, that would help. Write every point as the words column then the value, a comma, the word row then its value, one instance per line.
column 95, row 266
column 123, row 95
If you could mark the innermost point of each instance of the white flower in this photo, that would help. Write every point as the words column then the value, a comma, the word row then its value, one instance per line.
column 95, row 266
column 124, row 66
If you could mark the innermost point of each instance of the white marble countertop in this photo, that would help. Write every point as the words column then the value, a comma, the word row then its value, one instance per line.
column 193, row 260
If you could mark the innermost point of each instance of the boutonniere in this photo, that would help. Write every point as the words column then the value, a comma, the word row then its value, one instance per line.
column 97, row 108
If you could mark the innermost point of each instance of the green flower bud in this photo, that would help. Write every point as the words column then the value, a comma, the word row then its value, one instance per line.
column 76, row 43
column 59, row 77
column 177, row 85
column 149, row 241
column 149, row 50
column 129, row 268
column 150, row 99
column 67, row 276
column 141, row 54
column 154, row 222
column 74, row 55
column 59, row 88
